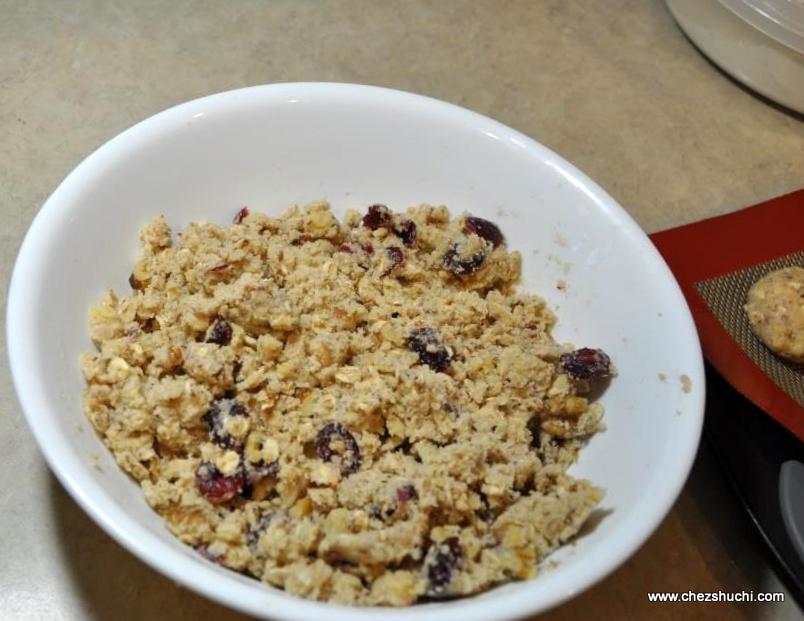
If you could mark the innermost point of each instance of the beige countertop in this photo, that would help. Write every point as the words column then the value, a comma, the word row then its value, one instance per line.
column 612, row 85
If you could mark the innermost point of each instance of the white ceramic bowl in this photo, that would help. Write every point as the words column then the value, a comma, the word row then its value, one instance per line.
column 270, row 146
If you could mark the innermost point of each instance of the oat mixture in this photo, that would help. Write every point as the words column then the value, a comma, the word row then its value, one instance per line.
column 364, row 412
column 775, row 309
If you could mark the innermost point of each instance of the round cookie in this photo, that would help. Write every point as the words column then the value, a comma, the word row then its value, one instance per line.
column 775, row 311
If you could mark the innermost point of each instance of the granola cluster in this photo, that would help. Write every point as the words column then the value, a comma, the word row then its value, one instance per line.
column 364, row 412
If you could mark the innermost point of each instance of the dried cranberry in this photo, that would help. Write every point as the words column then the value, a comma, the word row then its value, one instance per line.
column 220, row 333
column 396, row 258
column 215, row 418
column 240, row 215
column 427, row 343
column 461, row 266
column 323, row 446
column 586, row 364
column 406, row 231
column 367, row 248
column 215, row 486
column 135, row 282
column 378, row 216
column 448, row 554
column 405, row 494
column 484, row 229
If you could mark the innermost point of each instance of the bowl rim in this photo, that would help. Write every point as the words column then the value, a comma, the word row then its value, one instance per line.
column 202, row 576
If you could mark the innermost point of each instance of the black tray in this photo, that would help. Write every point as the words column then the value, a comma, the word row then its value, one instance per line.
column 751, row 447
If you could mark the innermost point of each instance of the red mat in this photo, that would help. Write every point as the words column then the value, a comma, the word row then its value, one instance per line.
column 727, row 246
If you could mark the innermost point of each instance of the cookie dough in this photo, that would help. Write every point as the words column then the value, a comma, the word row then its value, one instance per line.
column 364, row 412
column 775, row 309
